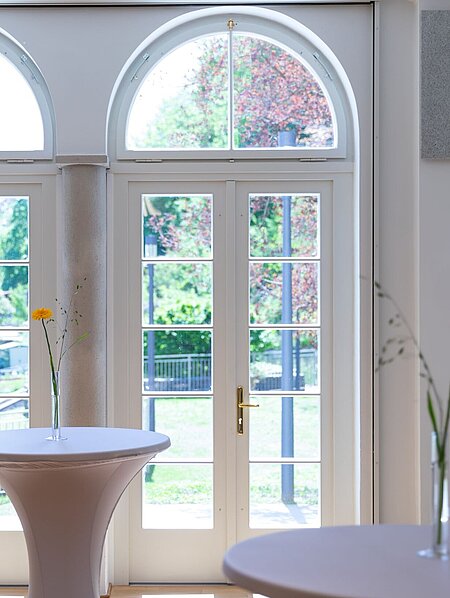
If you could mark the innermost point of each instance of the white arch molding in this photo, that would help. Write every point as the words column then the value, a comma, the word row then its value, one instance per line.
column 282, row 29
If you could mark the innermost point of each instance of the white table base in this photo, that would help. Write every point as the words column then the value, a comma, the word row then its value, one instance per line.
column 65, row 509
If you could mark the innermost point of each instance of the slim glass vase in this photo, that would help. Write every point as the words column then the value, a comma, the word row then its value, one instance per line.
column 55, row 379
column 440, row 525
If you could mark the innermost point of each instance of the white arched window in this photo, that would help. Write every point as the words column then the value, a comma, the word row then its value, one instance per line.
column 234, row 87
column 236, row 279
column 26, row 122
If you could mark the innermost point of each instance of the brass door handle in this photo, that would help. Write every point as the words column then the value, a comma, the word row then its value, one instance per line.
column 240, row 408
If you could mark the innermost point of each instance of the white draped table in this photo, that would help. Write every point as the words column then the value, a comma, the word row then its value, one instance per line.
column 378, row 561
column 65, row 493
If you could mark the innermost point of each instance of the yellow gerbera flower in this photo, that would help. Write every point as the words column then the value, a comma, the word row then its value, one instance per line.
column 43, row 313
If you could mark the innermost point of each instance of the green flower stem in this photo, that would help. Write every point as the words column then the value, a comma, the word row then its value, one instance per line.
column 439, row 412
column 382, row 293
column 442, row 467
column 54, row 381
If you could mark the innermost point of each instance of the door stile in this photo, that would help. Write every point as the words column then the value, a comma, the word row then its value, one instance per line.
column 231, row 360
column 242, row 360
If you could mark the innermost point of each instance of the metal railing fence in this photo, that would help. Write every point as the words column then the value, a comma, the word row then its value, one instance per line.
column 192, row 372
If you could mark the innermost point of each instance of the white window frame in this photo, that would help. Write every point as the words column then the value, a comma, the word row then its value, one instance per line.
column 20, row 58
column 261, row 22
column 41, row 190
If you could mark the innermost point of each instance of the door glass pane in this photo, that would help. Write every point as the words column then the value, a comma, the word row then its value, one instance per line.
column 284, row 360
column 177, row 360
column 14, row 295
column 298, row 417
column 284, row 225
column 178, row 496
column 177, row 293
column 14, row 363
column 14, row 327
column 277, row 503
column 176, row 226
column 177, row 305
column 186, row 420
column 278, row 101
column 269, row 284
column 183, row 102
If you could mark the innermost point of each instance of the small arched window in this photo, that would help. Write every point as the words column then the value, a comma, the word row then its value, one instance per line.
column 25, row 112
column 234, row 87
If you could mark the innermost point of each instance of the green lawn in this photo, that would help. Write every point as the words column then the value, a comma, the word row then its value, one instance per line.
column 188, row 422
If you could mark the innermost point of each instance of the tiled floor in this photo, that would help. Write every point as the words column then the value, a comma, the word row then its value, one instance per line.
column 216, row 591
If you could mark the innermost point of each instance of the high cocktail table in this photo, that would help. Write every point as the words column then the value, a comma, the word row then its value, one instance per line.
column 65, row 493
column 378, row 561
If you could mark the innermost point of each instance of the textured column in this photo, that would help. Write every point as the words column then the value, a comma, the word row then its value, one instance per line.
column 82, row 254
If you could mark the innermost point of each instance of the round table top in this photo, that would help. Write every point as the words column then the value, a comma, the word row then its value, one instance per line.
column 82, row 444
column 378, row 561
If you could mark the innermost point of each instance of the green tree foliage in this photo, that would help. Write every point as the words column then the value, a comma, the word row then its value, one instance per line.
column 272, row 92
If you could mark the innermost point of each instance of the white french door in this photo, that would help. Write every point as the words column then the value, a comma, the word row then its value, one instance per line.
column 26, row 243
column 229, row 284
column 283, row 355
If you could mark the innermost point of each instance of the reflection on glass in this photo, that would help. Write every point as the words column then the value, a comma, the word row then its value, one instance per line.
column 301, row 427
column 13, row 228
column 13, row 295
column 267, row 508
column 183, row 102
column 177, row 293
column 14, row 413
column 267, row 288
column 176, row 226
column 178, row 496
column 13, row 363
column 187, row 421
column 284, row 360
column 296, row 235
column 277, row 100
column 177, row 360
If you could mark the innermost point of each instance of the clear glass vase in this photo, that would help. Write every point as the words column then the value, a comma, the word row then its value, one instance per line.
column 55, row 380
column 440, row 525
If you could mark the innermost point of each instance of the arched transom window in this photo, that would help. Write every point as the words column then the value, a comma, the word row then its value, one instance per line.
column 223, row 92
column 244, row 89
column 25, row 113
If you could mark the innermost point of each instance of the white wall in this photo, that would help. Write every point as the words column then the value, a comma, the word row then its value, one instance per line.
column 398, row 254
column 434, row 267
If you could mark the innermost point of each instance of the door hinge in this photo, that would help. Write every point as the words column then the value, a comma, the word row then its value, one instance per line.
column 20, row 161
column 148, row 160
column 312, row 159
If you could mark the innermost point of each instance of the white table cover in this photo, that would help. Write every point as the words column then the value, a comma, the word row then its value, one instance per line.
column 65, row 493
column 377, row 561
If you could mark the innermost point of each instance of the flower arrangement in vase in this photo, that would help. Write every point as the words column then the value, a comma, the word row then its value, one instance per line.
column 66, row 317
column 439, row 413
